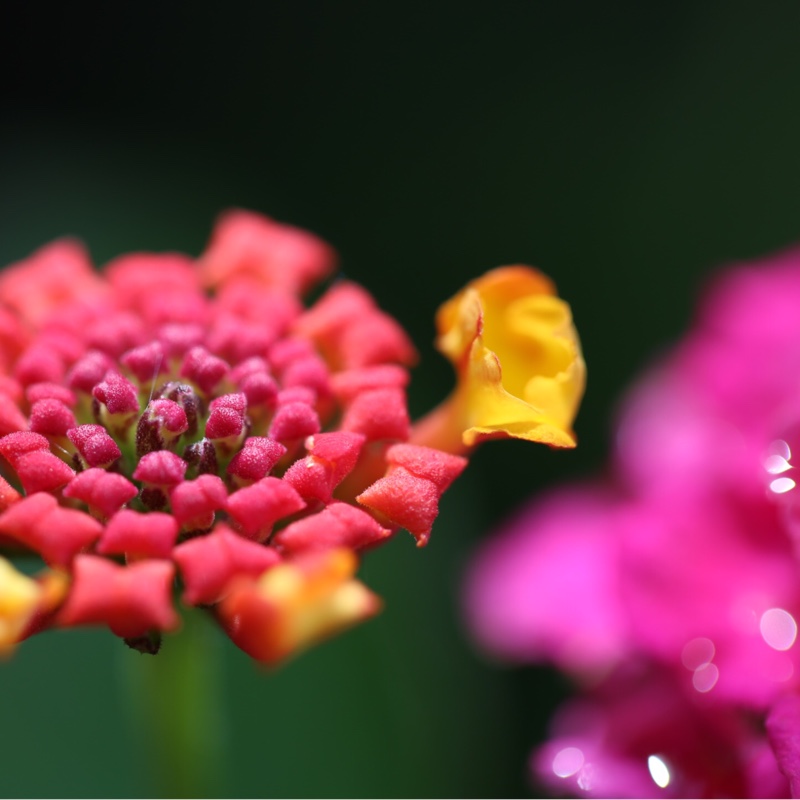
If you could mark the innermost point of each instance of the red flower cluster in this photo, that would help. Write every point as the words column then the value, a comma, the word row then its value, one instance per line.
column 169, row 422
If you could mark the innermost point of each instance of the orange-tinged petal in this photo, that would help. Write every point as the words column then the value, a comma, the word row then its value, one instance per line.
column 54, row 276
column 254, row 247
column 459, row 321
column 294, row 605
column 8, row 494
column 518, row 361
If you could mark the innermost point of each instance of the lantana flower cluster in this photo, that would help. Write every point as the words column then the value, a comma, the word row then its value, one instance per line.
column 670, row 588
column 171, row 425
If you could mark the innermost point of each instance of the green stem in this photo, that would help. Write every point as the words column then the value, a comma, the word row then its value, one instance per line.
column 174, row 703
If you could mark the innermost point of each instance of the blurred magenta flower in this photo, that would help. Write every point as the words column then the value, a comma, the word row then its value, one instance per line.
column 670, row 589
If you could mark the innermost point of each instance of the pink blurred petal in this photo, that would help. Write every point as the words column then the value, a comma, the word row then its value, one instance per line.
column 547, row 586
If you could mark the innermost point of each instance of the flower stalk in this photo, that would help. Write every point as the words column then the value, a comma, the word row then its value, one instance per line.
column 177, row 710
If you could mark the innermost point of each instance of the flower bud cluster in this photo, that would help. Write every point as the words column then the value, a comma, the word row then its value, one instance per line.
column 177, row 426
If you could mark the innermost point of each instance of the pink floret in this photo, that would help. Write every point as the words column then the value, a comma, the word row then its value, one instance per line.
column 249, row 366
column 15, row 445
column 287, row 351
column 39, row 364
column 89, row 371
column 209, row 563
column 117, row 394
column 132, row 600
column 312, row 478
column 378, row 414
column 56, row 533
column 104, row 492
column 51, row 418
column 135, row 535
column 405, row 500
column 169, row 414
column 258, row 507
column 255, row 460
column 95, row 445
column 114, row 335
column 178, row 338
column 340, row 449
column 294, row 421
column 260, row 389
column 331, row 457
column 224, row 423
column 41, row 471
column 434, row 465
column 236, row 401
column 337, row 525
column 197, row 500
column 160, row 468
column 146, row 362
column 49, row 391
column 251, row 245
column 203, row 369
column 352, row 382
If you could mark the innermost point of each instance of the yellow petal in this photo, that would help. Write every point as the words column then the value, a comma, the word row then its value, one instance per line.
column 19, row 600
column 492, row 412
column 319, row 602
column 518, row 361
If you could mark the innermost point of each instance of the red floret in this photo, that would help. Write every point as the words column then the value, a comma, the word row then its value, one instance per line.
column 96, row 447
column 137, row 536
column 160, row 468
column 56, row 533
column 258, row 507
column 132, row 600
column 194, row 502
column 405, row 500
column 104, row 492
column 337, row 525
column 209, row 563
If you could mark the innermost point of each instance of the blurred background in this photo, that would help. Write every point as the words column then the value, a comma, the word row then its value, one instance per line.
column 627, row 149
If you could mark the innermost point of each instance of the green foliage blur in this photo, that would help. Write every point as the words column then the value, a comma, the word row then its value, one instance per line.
column 627, row 149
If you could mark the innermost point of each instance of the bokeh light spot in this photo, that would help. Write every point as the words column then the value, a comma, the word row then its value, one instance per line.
column 697, row 652
column 567, row 761
column 659, row 771
column 705, row 678
column 782, row 485
column 779, row 629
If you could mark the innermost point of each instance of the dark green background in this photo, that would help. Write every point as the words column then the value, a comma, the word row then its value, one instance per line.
column 625, row 148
